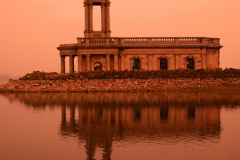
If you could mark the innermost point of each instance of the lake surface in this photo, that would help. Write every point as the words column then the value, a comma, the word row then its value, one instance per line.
column 120, row 126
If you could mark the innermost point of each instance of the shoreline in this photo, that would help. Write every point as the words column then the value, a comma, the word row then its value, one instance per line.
column 122, row 85
column 142, row 81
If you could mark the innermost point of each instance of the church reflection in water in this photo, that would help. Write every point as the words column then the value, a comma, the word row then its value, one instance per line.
column 99, row 126
column 101, row 119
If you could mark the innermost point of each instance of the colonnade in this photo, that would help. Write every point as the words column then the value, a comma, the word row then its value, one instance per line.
column 123, row 62
column 88, row 63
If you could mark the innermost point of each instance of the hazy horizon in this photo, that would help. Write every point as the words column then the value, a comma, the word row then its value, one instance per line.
column 31, row 31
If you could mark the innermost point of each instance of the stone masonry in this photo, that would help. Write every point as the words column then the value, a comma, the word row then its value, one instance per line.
column 97, row 50
column 124, row 81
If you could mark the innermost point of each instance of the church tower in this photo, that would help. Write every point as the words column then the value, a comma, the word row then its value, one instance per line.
column 98, row 51
column 105, row 19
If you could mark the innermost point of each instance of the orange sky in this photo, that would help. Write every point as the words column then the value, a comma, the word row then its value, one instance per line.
column 32, row 29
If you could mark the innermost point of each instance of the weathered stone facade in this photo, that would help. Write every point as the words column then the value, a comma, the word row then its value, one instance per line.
column 99, row 51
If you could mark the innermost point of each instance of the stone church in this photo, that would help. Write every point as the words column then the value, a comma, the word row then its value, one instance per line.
column 98, row 51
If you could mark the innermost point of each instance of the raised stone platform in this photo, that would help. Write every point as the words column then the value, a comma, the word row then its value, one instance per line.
column 124, row 81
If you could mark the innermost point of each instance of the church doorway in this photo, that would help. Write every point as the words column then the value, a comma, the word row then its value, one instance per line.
column 190, row 63
column 136, row 64
column 98, row 67
column 163, row 64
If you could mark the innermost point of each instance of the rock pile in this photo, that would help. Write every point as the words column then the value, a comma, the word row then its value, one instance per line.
column 123, row 81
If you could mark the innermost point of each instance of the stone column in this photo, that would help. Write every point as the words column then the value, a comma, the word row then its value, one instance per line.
column 116, row 62
column 150, row 62
column 123, row 63
column 103, row 17
column 145, row 63
column 91, row 17
column 177, row 61
column 62, row 64
column 80, row 69
column 155, row 63
column 204, row 61
column 108, row 62
column 182, row 62
column 71, row 64
column 86, row 5
column 88, row 62
column 108, row 32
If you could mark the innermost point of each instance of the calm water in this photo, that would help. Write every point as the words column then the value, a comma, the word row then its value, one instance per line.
column 120, row 126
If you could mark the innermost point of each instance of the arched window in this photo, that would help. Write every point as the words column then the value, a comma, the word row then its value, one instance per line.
column 163, row 64
column 98, row 66
column 136, row 64
column 190, row 63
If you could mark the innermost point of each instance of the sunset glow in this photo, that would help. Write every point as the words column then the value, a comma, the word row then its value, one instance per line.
column 31, row 30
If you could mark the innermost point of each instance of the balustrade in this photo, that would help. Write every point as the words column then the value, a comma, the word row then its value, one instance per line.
column 163, row 40
column 145, row 41
column 135, row 40
column 190, row 40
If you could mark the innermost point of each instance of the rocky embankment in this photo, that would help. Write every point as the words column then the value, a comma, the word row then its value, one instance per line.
column 123, row 81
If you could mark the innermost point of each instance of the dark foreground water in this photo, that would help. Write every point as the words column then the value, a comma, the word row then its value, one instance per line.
column 120, row 126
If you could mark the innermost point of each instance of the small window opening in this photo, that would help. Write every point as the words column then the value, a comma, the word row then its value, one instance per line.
column 136, row 64
column 163, row 64
column 190, row 63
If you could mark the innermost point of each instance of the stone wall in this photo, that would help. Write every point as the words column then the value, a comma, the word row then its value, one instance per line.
column 123, row 81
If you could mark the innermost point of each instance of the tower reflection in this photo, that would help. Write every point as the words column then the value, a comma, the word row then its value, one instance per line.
column 101, row 119
column 101, row 124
